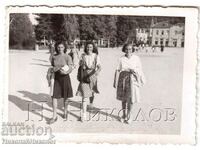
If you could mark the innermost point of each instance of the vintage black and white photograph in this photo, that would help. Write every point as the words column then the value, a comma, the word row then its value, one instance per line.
column 97, row 73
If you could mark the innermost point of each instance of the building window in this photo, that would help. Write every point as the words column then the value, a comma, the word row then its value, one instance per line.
column 156, row 42
column 167, row 32
column 162, row 32
column 157, row 32
column 161, row 41
column 166, row 43
column 182, row 43
column 183, row 33
column 175, row 43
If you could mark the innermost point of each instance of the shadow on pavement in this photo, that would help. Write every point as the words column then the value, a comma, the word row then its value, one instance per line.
column 93, row 110
column 40, row 60
column 37, row 100
column 28, row 106
column 40, row 65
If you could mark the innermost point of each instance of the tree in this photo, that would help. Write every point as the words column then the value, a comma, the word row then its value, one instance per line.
column 126, row 26
column 58, row 27
column 99, row 25
column 171, row 20
column 93, row 27
column 70, row 27
column 111, row 30
column 50, row 27
column 44, row 27
column 86, row 29
column 21, row 31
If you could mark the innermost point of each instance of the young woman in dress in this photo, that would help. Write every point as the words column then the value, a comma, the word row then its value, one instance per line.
column 91, row 64
column 62, row 66
column 129, row 78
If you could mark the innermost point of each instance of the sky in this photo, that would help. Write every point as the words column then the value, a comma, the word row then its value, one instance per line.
column 32, row 19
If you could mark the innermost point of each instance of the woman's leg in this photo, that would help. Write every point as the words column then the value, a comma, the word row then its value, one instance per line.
column 123, row 111
column 129, row 112
column 84, row 109
column 66, row 103
column 54, row 108
column 91, row 101
column 54, row 118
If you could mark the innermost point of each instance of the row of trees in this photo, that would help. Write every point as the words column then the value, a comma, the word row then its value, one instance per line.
column 116, row 29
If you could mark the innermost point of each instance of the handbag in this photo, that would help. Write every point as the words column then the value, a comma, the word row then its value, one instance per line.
column 83, row 76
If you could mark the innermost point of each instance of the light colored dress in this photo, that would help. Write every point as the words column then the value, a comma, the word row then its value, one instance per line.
column 128, row 83
column 91, row 62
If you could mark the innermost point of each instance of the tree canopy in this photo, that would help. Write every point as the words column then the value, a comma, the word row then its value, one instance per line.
column 21, row 31
column 116, row 29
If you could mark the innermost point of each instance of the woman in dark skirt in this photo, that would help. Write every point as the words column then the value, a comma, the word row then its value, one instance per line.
column 62, row 66
column 129, row 77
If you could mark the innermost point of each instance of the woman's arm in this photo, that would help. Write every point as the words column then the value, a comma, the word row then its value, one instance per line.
column 98, row 65
column 138, row 72
column 98, row 69
column 69, row 63
column 117, row 72
column 67, row 72
column 116, row 76
column 55, row 68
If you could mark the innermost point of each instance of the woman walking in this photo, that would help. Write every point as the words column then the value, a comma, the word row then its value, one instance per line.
column 129, row 78
column 74, row 53
column 62, row 66
column 89, row 68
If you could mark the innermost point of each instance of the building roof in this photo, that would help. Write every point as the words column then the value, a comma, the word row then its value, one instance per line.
column 163, row 24
column 180, row 24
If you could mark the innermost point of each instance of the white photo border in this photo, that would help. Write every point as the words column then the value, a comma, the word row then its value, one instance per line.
column 188, row 122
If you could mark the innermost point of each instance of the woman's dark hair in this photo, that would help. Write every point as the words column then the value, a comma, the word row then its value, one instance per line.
column 126, row 45
column 58, row 43
column 95, row 50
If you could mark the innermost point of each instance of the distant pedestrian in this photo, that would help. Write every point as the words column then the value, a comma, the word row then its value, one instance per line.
column 74, row 53
column 162, row 48
column 51, row 50
column 88, row 72
column 129, row 78
column 79, row 46
column 153, row 48
column 135, row 48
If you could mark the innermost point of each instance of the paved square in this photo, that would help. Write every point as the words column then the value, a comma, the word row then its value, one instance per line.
column 158, row 113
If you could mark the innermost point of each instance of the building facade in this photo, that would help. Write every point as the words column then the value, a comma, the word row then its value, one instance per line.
column 168, row 35
column 177, row 34
column 142, row 35
column 162, row 33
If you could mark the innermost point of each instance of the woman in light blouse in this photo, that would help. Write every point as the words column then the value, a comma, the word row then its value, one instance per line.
column 129, row 78
column 91, row 64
